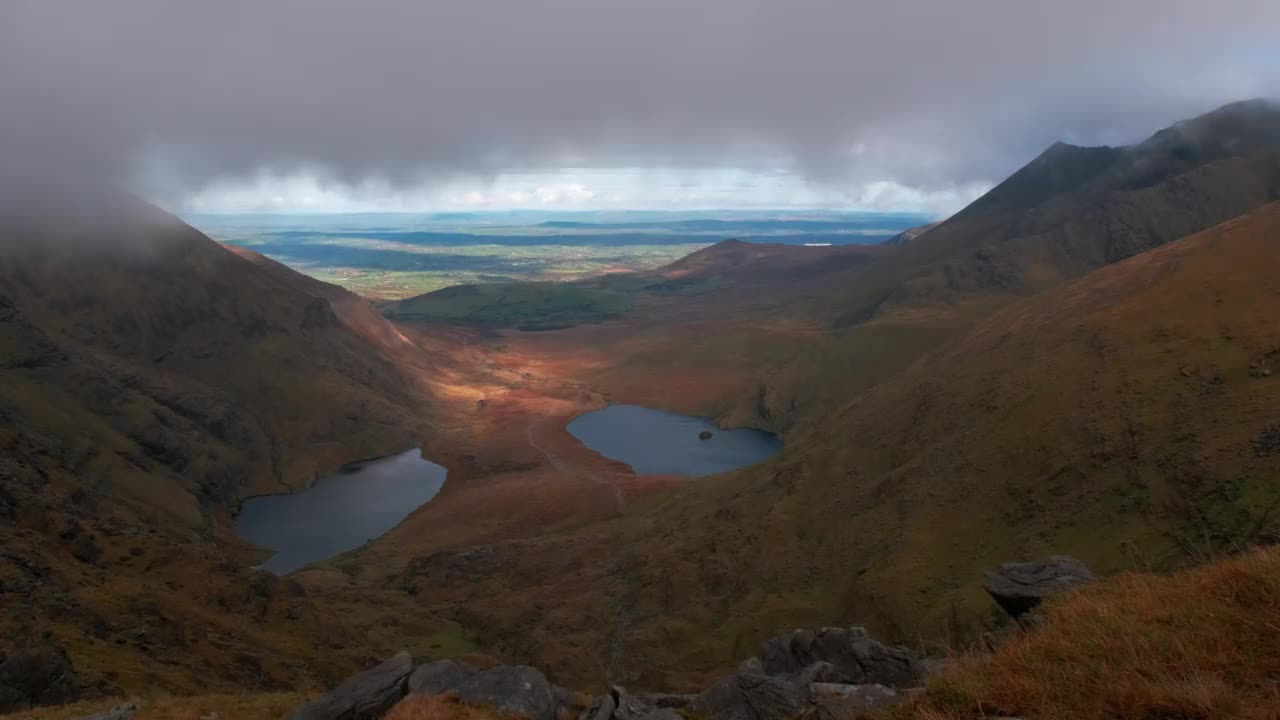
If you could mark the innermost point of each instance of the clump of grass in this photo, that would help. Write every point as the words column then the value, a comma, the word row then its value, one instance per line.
column 1203, row 644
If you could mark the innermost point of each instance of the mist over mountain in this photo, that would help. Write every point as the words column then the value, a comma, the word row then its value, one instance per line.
column 653, row 361
column 367, row 102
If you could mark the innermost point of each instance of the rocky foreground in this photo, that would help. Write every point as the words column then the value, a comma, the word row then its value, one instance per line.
column 828, row 673
column 824, row 674
column 1196, row 644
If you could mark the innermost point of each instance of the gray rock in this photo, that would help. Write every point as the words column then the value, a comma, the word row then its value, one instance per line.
column 119, row 712
column 437, row 678
column 666, row 700
column 750, row 694
column 628, row 706
column 600, row 709
column 618, row 704
column 850, row 651
column 819, row 672
column 363, row 696
column 837, row 702
column 1019, row 587
column 514, row 689
column 37, row 676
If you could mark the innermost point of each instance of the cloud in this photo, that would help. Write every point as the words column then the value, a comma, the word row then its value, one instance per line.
column 932, row 96
column 572, row 189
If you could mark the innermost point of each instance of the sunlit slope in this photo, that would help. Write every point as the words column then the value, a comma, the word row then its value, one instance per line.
column 1129, row 417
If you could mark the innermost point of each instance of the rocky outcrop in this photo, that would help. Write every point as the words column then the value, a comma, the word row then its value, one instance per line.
column 854, row 656
column 837, row 702
column 827, row 674
column 1020, row 587
column 364, row 696
column 38, row 676
column 750, row 694
column 513, row 689
column 618, row 704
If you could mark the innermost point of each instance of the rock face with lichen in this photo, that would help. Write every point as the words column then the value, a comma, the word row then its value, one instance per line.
column 1020, row 587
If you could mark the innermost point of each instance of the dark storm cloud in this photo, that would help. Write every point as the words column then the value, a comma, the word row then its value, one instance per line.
column 930, row 93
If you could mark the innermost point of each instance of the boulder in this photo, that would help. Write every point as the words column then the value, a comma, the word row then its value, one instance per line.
column 37, row 676
column 363, row 696
column 439, row 677
column 1019, row 587
column 512, row 689
column 628, row 706
column 853, row 655
column 819, row 672
column 119, row 712
column 750, row 694
column 836, row 702
column 600, row 709
column 666, row 700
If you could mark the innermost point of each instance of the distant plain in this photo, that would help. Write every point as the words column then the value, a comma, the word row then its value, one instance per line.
column 389, row 256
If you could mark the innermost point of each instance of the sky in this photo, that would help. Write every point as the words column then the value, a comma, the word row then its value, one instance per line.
column 328, row 106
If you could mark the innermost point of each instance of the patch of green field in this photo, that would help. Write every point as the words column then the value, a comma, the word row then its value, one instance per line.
column 384, row 270
column 526, row 306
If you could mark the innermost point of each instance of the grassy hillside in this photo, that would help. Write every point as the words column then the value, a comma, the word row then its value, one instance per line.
column 1141, row 399
column 151, row 380
column 524, row 306
column 1199, row 644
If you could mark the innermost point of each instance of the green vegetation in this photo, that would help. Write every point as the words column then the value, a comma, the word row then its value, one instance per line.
column 385, row 270
column 526, row 306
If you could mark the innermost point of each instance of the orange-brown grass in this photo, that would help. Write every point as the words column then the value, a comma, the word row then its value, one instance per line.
column 248, row 706
column 439, row 707
column 1200, row 644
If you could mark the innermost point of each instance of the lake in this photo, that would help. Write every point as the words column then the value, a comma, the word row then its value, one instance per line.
column 656, row 442
column 339, row 512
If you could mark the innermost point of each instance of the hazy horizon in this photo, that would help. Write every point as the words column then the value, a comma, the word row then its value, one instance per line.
column 568, row 104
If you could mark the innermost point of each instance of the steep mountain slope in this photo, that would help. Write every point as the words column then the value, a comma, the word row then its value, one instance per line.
column 911, row 234
column 1074, row 209
column 766, row 263
column 151, row 379
column 1142, row 399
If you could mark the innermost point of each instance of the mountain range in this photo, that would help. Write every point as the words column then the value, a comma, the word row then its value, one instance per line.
column 1085, row 360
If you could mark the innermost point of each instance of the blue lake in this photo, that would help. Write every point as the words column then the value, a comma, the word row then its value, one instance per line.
column 339, row 512
column 656, row 442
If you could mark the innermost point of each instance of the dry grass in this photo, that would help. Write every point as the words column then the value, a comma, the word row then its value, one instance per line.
column 439, row 707
column 1200, row 644
column 249, row 706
